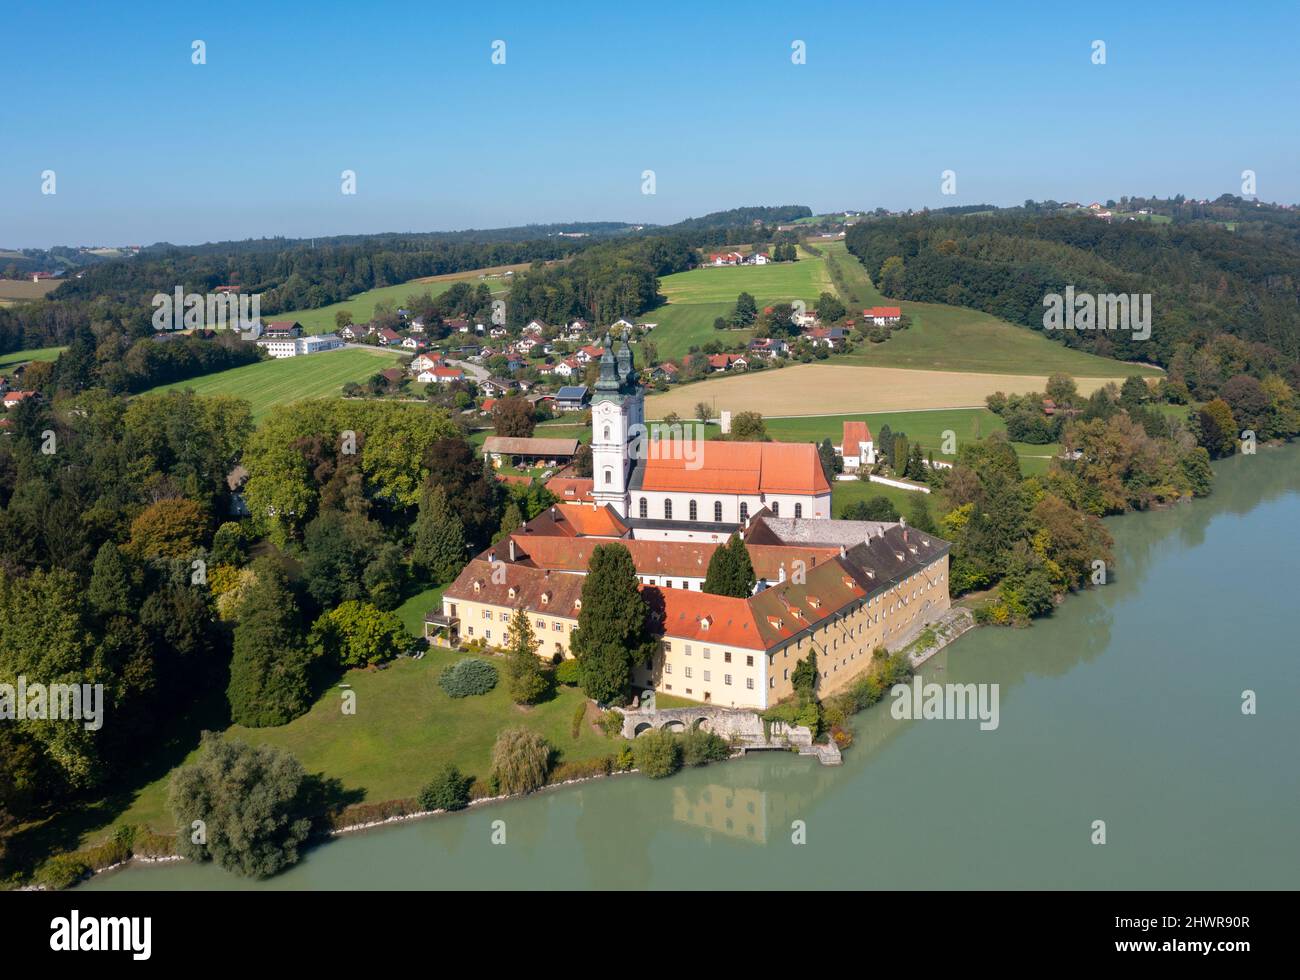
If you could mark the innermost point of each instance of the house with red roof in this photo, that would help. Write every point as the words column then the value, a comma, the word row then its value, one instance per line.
column 882, row 316
column 856, row 447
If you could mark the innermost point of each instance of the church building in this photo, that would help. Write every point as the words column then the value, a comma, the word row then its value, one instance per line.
column 679, row 487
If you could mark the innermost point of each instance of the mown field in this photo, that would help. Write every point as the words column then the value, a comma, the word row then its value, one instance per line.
column 698, row 297
column 268, row 384
column 362, row 305
column 8, row 361
column 951, row 338
column 19, row 289
column 832, row 388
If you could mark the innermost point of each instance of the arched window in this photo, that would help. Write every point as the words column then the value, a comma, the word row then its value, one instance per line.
column 645, row 508
column 607, row 433
column 798, row 510
column 609, row 476
column 776, row 508
column 694, row 514
column 744, row 511
column 717, row 511
column 668, row 510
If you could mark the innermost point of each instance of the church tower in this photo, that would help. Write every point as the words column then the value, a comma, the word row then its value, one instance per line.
column 617, row 426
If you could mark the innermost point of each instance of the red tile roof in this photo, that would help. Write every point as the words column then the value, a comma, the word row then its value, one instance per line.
column 854, row 433
column 736, row 467
column 883, row 311
column 571, row 488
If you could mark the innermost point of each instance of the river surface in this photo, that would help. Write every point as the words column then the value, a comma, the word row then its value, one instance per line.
column 1125, row 706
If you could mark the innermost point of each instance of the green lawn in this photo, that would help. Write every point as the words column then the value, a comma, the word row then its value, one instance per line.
column 362, row 305
column 952, row 338
column 926, row 428
column 845, row 492
column 269, row 384
column 404, row 727
column 698, row 297
column 8, row 361
column 411, row 612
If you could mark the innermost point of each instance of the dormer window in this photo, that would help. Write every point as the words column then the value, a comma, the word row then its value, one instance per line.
column 546, row 597
column 815, row 602
column 705, row 621
column 577, row 603
column 478, row 586
column 512, row 592
column 775, row 621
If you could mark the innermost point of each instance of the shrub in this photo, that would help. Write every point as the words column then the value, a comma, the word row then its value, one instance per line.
column 625, row 760
column 468, row 677
column 359, row 814
column 520, row 761
column 611, row 722
column 62, row 871
column 568, row 673
column 447, row 790
column 583, row 769
column 657, row 754
column 700, row 747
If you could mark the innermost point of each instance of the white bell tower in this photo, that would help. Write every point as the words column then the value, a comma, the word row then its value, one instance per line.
column 617, row 418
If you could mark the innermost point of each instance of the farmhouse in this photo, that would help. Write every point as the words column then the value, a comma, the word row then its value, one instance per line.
column 882, row 316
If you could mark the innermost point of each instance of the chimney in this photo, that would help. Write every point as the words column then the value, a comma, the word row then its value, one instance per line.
column 555, row 513
column 781, row 577
column 512, row 550
column 492, row 556
column 843, row 552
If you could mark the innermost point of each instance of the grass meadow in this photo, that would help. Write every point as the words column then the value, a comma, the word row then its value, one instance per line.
column 269, row 384
column 362, row 305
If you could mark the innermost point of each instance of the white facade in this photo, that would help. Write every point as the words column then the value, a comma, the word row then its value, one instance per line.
column 854, row 456
column 299, row 346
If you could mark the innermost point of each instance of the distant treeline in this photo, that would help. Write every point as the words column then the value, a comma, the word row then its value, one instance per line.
column 1204, row 280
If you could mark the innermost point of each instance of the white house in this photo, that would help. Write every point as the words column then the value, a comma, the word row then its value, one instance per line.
column 857, row 447
column 280, row 347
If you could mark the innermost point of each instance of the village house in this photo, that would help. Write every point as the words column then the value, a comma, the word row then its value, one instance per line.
column 882, row 316
column 727, row 362
column 12, row 398
column 425, row 362
column 282, row 329
column 441, row 375
column 833, row 337
column 571, row 398
column 768, row 348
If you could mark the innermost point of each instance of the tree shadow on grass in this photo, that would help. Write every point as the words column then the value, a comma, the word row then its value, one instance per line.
column 63, row 831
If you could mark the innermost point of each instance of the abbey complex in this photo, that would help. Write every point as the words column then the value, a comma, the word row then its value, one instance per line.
column 839, row 588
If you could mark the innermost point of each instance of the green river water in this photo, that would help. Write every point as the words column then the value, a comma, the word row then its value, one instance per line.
column 1124, row 706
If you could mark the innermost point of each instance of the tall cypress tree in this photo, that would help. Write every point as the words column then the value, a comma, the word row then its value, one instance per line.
column 613, row 628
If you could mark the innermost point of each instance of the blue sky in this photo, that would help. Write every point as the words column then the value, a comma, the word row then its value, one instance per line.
column 149, row 147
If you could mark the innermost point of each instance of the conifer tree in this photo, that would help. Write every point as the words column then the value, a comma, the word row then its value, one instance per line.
column 439, row 551
column 524, row 670
column 613, row 630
